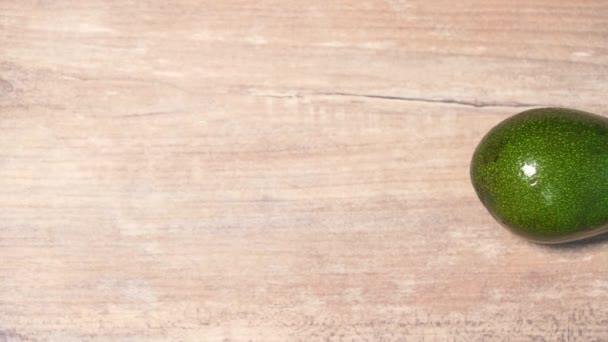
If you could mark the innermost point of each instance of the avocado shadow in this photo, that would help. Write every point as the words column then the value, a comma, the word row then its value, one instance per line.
column 593, row 241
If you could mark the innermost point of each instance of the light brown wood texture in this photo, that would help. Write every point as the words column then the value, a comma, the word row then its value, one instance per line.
column 283, row 170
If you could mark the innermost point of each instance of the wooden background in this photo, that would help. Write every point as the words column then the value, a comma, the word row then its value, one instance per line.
column 283, row 170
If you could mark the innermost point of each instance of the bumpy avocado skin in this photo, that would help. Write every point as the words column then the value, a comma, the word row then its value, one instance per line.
column 543, row 173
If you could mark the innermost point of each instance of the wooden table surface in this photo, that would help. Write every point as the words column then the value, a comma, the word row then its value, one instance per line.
column 283, row 170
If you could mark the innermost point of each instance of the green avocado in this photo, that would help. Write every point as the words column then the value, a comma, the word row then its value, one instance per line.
column 543, row 174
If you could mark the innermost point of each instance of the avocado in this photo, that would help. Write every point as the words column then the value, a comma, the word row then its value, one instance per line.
column 543, row 174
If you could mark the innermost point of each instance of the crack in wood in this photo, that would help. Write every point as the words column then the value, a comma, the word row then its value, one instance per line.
column 476, row 104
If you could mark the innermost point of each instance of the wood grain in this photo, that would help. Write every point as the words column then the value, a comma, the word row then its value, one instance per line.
column 283, row 170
